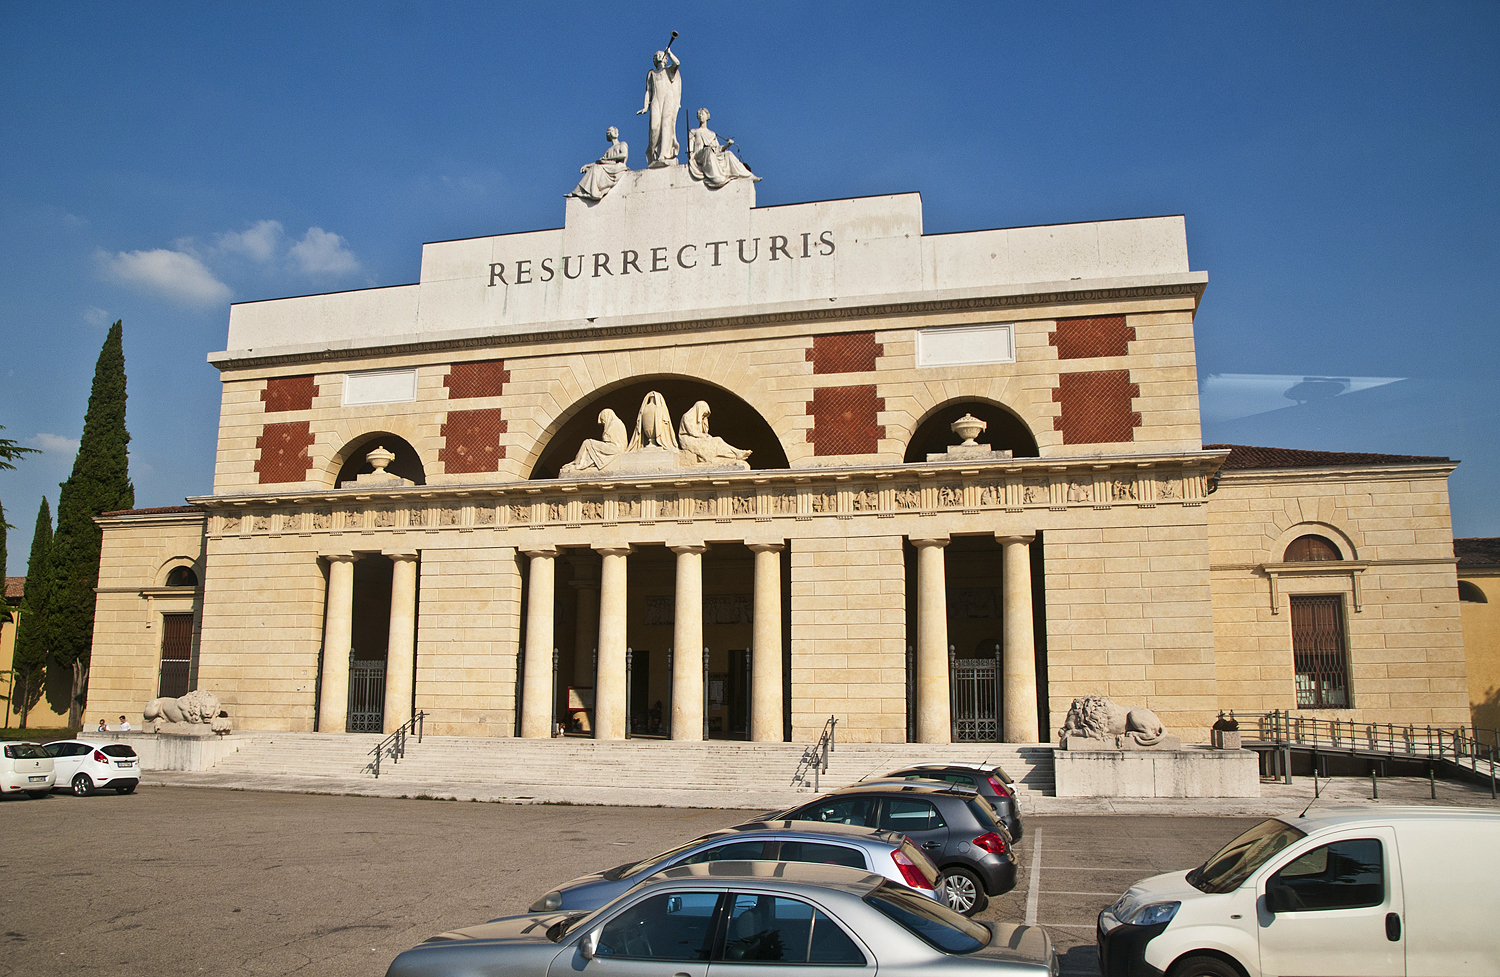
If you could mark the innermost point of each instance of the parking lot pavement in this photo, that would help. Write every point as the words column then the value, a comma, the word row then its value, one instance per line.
column 174, row 880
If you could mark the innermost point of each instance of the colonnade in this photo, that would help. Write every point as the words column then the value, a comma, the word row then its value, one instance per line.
column 338, row 629
column 609, row 678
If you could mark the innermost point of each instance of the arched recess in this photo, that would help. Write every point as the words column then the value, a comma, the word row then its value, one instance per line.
column 1333, row 534
column 732, row 419
column 172, row 573
column 1006, row 430
column 1469, row 593
column 352, row 463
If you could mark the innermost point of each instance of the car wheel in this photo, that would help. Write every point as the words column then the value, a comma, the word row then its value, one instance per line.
column 1204, row 967
column 39, row 794
column 127, row 789
column 961, row 890
column 82, row 785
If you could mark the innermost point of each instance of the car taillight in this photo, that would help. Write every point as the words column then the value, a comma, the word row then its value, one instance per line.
column 1000, row 789
column 909, row 871
column 100, row 757
column 991, row 842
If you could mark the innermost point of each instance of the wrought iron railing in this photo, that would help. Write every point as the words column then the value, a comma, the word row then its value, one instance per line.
column 1467, row 747
column 394, row 745
column 815, row 758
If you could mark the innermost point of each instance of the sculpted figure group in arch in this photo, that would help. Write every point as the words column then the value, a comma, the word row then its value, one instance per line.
column 655, row 445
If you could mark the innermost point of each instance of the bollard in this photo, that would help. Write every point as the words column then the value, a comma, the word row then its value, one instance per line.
column 1374, row 785
column 1431, row 784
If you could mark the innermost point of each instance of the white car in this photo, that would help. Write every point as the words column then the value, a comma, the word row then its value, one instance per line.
column 28, row 767
column 88, row 766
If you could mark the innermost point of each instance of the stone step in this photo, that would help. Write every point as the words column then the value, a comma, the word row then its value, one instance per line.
column 642, row 764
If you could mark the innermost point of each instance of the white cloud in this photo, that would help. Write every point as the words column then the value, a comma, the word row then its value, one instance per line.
column 322, row 253
column 55, row 444
column 95, row 316
column 258, row 243
column 173, row 274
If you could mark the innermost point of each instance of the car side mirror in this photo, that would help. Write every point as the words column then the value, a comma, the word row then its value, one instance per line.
column 589, row 945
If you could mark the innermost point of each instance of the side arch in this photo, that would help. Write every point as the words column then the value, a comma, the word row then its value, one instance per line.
column 349, row 462
column 169, row 568
column 1006, row 430
column 1334, row 535
column 734, row 419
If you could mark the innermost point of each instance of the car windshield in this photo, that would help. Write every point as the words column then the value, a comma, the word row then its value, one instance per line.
column 935, row 924
column 25, row 751
column 1234, row 863
column 649, row 864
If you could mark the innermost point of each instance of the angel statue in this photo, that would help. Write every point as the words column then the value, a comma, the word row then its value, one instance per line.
column 601, row 176
column 715, row 165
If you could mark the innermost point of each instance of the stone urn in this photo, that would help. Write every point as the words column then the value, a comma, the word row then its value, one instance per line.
column 968, row 427
column 379, row 458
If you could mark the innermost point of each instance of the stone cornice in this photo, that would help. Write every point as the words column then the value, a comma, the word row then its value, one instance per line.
column 1370, row 472
column 229, row 360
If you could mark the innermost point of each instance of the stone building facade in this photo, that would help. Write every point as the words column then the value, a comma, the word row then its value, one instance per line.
column 490, row 568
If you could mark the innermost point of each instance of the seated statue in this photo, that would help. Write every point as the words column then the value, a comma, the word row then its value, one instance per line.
column 715, row 165
column 693, row 435
column 598, row 455
column 601, row 176
column 1096, row 723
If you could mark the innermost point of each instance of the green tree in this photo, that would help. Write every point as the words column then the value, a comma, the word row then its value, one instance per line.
column 100, row 482
column 30, row 660
column 9, row 452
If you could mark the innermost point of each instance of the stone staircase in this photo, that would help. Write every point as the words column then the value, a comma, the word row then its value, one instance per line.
column 723, row 773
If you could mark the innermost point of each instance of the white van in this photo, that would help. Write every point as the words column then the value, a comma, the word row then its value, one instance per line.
column 1380, row 892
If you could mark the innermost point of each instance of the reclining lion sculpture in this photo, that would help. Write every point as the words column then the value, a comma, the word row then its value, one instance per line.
column 1097, row 723
column 198, row 706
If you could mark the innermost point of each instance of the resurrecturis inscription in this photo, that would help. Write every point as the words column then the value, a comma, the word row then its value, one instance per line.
column 712, row 254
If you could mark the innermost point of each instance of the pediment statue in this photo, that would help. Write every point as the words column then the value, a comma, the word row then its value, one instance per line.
column 715, row 165
column 655, row 446
column 600, row 176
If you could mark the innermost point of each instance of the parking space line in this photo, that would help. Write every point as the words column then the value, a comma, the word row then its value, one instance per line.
column 1034, row 888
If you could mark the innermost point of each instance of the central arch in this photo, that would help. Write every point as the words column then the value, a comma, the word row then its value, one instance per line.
column 734, row 420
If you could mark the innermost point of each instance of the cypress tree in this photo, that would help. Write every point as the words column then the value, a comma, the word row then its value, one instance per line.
column 100, row 482
column 31, row 646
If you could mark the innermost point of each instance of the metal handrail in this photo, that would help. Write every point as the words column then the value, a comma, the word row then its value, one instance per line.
column 394, row 745
column 815, row 757
column 1459, row 746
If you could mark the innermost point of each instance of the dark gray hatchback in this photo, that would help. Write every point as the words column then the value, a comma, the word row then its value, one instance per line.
column 988, row 779
column 953, row 826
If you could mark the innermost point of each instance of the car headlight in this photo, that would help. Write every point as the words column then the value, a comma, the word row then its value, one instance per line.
column 1152, row 914
column 551, row 902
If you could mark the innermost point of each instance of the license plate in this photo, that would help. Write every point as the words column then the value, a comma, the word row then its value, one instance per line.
column 37, row 780
column 124, row 763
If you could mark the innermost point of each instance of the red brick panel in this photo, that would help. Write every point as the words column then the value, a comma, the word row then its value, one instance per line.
column 844, row 420
column 1099, row 335
column 289, row 393
column 482, row 379
column 1096, row 407
column 848, row 352
column 471, row 441
column 283, row 452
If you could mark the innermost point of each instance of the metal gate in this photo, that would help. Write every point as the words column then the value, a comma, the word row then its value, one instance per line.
column 366, row 696
column 975, row 691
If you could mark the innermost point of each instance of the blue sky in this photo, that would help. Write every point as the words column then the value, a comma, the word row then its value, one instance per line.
column 1336, row 163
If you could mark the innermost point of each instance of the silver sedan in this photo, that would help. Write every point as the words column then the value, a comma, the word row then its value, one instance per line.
column 743, row 919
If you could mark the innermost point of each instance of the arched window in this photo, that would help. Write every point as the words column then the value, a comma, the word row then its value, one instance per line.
column 182, row 577
column 1308, row 549
column 1471, row 594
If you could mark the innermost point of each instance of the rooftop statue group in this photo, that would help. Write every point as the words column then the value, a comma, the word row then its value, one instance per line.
column 708, row 161
column 690, row 447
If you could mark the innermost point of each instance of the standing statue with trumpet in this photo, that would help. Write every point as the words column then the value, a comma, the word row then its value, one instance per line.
column 663, row 99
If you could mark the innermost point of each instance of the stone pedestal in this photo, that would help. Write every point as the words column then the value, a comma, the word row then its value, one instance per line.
column 1191, row 772
column 1225, row 739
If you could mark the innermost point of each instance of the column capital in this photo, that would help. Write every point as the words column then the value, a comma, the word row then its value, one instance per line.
column 681, row 548
column 924, row 541
column 340, row 557
column 1015, row 537
column 541, row 549
column 775, row 547
column 615, row 550
column 399, row 554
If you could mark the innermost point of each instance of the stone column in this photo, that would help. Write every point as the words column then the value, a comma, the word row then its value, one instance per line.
column 401, row 650
column 586, row 583
column 536, row 681
column 765, row 667
column 687, row 644
column 609, row 683
column 1018, row 669
column 934, row 710
column 338, row 626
